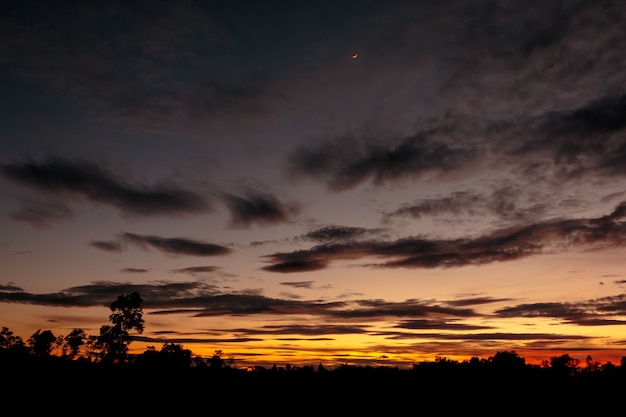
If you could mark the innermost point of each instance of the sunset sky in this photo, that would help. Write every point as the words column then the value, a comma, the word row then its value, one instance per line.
column 331, row 182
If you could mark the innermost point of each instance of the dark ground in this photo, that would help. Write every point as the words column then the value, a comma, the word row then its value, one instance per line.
column 83, row 389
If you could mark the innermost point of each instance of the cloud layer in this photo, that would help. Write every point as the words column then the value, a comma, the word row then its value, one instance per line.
column 414, row 319
column 168, row 245
column 498, row 246
column 86, row 181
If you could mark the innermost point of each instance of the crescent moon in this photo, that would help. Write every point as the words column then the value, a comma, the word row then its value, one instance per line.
column 355, row 56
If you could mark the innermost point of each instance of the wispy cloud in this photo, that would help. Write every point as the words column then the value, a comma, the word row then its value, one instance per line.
column 502, row 245
column 257, row 207
column 194, row 270
column 80, row 180
column 335, row 233
column 175, row 245
column 169, row 245
column 599, row 312
column 107, row 246
column 298, row 284
column 346, row 162
column 199, row 299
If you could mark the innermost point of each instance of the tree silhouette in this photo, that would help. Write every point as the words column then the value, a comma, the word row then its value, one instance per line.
column 8, row 340
column 12, row 346
column 508, row 361
column 564, row 364
column 127, row 315
column 41, row 343
column 175, row 355
column 216, row 361
column 170, row 356
column 74, row 341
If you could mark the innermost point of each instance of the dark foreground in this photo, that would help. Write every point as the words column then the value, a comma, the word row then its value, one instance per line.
column 74, row 388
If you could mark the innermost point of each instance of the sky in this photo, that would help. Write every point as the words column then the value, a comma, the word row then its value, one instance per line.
column 335, row 182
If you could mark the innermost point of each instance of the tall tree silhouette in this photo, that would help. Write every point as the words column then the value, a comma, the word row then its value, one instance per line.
column 127, row 315
column 563, row 365
column 74, row 341
column 8, row 340
column 41, row 343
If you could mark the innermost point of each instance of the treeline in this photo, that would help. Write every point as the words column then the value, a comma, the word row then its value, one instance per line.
column 110, row 349
column 81, row 373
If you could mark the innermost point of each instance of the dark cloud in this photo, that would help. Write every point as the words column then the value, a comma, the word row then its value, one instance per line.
column 41, row 214
column 599, row 312
column 490, row 336
column 295, row 262
column 299, row 284
column 475, row 301
column 409, row 308
column 175, row 245
column 505, row 202
column 189, row 340
column 203, row 299
column 108, row 246
column 134, row 270
column 326, row 234
column 305, row 330
column 502, row 245
column 605, row 115
column 338, row 233
column 258, row 208
column 458, row 202
column 346, row 162
column 438, row 324
column 10, row 287
column 567, row 144
column 103, row 293
column 87, row 181
column 193, row 270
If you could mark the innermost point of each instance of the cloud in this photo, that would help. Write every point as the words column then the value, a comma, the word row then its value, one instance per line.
column 200, row 298
column 458, row 202
column 134, row 270
column 502, row 245
column 415, row 319
column 171, row 245
column 508, row 203
column 193, row 270
column 348, row 161
column 408, row 308
column 258, row 208
column 10, row 287
column 42, row 214
column 307, row 330
column 472, row 301
column 299, row 284
column 87, row 181
column 295, row 262
column 597, row 312
column 107, row 246
column 175, row 245
column 438, row 324
column 604, row 115
column 586, row 140
column 103, row 293
column 338, row 233
column 491, row 336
